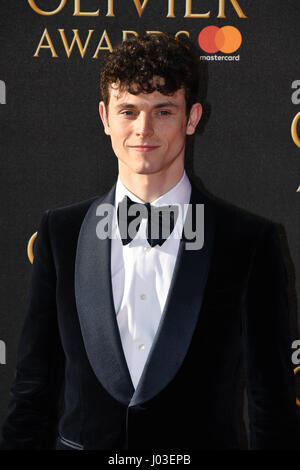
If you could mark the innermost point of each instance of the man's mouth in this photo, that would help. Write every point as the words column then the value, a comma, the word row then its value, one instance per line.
column 144, row 148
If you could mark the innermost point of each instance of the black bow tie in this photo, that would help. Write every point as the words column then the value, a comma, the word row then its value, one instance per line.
column 161, row 220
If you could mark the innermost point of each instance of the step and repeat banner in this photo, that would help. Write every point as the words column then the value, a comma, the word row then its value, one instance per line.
column 54, row 151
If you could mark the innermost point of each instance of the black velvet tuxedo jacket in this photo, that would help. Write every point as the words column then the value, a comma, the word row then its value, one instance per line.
column 226, row 311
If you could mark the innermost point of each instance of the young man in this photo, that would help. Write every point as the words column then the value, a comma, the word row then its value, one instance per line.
column 144, row 336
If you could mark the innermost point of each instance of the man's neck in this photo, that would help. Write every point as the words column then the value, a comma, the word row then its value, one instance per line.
column 149, row 187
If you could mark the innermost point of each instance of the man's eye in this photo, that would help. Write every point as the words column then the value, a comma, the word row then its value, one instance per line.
column 164, row 112
column 127, row 113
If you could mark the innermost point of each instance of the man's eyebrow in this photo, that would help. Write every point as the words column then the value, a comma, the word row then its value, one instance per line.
column 166, row 104
column 158, row 105
column 125, row 105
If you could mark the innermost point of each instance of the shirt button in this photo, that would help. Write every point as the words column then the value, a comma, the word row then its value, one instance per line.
column 141, row 346
column 147, row 248
column 143, row 296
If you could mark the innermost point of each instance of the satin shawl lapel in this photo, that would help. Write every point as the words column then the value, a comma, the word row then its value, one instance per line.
column 181, row 311
column 95, row 305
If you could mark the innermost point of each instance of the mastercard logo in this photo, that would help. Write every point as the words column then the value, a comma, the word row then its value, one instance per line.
column 214, row 39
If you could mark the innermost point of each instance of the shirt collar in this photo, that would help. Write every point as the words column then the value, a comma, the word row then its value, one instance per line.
column 178, row 194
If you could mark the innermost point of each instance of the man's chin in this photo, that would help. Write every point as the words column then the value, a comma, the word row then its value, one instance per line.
column 146, row 171
column 140, row 167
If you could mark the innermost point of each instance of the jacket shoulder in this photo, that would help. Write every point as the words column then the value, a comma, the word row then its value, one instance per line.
column 239, row 217
column 238, row 227
column 73, row 210
column 228, row 216
column 66, row 220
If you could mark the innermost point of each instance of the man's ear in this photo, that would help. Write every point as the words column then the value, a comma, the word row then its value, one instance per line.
column 104, row 117
column 194, row 118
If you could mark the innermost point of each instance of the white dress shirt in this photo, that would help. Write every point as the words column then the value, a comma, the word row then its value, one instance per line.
column 141, row 277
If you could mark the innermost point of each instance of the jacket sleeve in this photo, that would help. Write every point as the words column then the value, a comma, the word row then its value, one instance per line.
column 273, row 413
column 34, row 399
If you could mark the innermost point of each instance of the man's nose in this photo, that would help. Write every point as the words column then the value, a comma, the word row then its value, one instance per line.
column 144, row 125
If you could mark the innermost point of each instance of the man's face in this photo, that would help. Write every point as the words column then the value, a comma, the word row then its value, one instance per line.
column 148, row 131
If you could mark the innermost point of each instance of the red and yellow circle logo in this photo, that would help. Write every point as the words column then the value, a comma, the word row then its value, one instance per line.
column 214, row 39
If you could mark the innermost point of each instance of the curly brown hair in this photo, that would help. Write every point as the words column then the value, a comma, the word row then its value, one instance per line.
column 134, row 63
